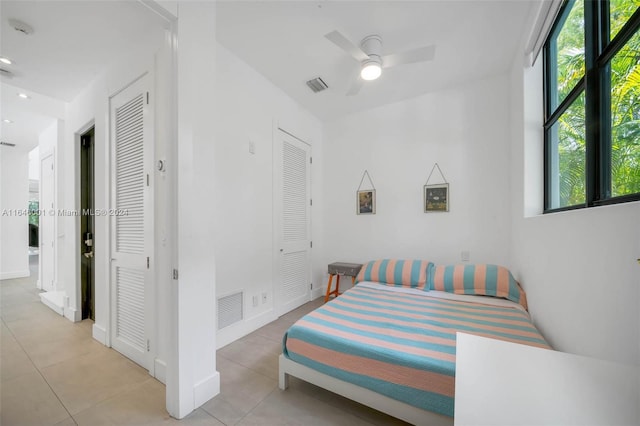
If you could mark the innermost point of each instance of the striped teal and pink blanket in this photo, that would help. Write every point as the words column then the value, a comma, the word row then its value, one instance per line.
column 402, row 342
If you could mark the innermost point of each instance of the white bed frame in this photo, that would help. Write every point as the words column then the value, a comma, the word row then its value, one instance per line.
column 393, row 407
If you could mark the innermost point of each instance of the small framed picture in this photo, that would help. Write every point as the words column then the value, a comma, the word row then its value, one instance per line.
column 366, row 201
column 436, row 198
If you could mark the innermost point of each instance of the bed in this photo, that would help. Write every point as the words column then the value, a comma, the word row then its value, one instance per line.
column 389, row 342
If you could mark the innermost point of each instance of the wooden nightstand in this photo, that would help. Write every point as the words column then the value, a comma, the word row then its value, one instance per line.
column 338, row 269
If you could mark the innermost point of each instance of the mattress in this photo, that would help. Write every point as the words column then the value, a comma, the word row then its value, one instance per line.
column 401, row 342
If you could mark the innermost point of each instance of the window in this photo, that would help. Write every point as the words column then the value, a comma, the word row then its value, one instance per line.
column 592, row 105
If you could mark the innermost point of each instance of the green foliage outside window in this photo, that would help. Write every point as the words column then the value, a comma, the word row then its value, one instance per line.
column 619, row 13
column 625, row 119
column 572, row 154
column 570, row 48
column 569, row 132
column 34, row 218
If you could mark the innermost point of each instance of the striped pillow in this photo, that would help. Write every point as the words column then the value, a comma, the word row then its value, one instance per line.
column 396, row 273
column 480, row 279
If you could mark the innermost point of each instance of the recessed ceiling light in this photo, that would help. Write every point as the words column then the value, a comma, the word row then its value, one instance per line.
column 6, row 120
column 5, row 60
column 23, row 95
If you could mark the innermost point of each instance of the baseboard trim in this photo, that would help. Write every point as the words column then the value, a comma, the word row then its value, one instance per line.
column 53, row 300
column 206, row 389
column 72, row 314
column 15, row 274
column 160, row 370
column 234, row 332
column 99, row 333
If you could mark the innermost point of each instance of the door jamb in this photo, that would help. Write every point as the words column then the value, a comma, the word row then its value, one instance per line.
column 172, row 393
column 77, row 142
column 79, row 217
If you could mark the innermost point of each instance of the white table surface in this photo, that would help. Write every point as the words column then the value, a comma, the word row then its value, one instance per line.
column 502, row 383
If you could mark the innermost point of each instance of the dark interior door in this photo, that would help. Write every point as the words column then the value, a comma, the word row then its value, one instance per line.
column 87, row 235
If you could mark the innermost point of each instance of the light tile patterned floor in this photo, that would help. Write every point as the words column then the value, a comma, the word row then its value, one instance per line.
column 52, row 372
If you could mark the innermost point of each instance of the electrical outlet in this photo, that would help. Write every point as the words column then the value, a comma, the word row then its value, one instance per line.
column 252, row 147
column 464, row 255
column 264, row 297
column 255, row 301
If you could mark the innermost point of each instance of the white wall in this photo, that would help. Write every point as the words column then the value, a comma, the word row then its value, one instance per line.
column 34, row 163
column 49, row 139
column 578, row 267
column 239, row 199
column 192, row 377
column 14, row 223
column 461, row 129
column 164, row 202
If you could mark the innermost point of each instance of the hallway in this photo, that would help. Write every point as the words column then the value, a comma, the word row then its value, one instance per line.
column 53, row 372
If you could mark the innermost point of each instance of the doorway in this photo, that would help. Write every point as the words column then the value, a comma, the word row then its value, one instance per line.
column 132, row 239
column 87, row 231
column 292, row 205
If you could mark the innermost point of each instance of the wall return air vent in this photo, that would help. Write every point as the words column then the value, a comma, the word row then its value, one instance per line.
column 317, row 85
column 229, row 310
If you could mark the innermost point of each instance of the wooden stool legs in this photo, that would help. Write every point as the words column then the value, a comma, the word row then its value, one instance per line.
column 335, row 292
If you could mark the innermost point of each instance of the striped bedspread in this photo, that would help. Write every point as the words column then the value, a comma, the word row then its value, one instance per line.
column 399, row 344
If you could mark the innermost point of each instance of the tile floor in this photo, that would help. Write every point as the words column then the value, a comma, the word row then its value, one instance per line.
column 52, row 372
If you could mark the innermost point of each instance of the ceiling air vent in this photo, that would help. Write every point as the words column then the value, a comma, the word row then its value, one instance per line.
column 317, row 85
column 7, row 144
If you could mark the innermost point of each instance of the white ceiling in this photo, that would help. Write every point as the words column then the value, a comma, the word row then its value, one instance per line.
column 75, row 41
column 284, row 41
column 30, row 116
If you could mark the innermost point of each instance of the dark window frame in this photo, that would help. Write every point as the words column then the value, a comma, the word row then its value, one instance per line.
column 595, row 84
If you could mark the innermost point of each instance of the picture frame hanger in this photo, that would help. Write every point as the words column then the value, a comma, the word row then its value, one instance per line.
column 436, row 166
column 366, row 173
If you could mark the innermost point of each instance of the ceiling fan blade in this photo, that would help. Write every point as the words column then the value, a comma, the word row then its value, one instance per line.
column 345, row 44
column 420, row 54
column 356, row 85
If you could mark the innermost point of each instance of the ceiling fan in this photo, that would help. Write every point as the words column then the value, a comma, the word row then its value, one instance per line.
column 369, row 54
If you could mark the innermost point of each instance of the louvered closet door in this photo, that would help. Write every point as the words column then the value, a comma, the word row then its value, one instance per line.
column 130, row 224
column 293, row 199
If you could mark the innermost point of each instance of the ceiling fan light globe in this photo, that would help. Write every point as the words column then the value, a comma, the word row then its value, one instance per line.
column 370, row 71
